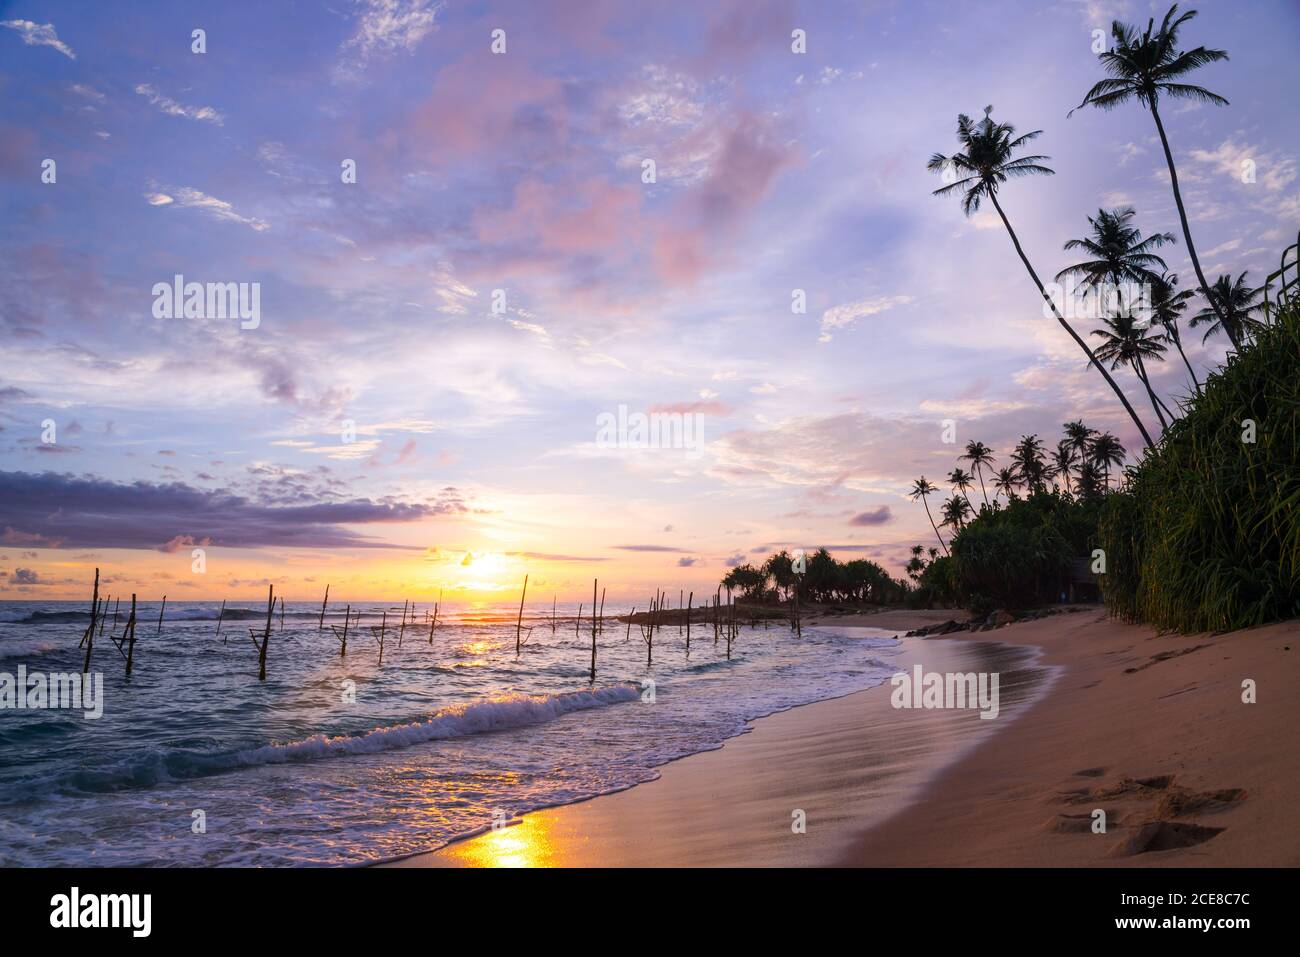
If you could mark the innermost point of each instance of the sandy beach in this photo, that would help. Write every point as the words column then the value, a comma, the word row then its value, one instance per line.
column 1095, row 714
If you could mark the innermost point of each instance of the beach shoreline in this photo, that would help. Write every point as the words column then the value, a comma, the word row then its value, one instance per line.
column 1100, row 715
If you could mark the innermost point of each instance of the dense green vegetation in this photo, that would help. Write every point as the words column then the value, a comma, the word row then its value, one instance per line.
column 1205, row 533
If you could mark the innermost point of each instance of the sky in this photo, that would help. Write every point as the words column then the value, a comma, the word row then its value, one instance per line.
column 418, row 404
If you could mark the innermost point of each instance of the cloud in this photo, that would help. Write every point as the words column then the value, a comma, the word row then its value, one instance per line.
column 648, row 548
column 875, row 516
column 166, row 104
column 385, row 26
column 25, row 576
column 1232, row 158
column 189, row 198
column 39, row 35
column 90, row 512
column 846, row 315
column 686, row 562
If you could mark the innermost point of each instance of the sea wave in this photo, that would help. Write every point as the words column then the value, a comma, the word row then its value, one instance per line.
column 498, row 714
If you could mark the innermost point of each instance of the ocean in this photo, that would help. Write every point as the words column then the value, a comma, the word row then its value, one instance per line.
column 341, row 760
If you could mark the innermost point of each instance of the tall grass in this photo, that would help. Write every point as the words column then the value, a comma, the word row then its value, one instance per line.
column 1206, row 534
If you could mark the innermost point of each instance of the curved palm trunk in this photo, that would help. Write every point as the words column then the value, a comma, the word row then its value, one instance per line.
column 1178, row 344
column 934, row 526
column 1187, row 232
column 1066, row 326
column 1141, row 371
column 980, row 476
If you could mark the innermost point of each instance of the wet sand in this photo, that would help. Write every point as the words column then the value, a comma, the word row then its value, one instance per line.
column 844, row 763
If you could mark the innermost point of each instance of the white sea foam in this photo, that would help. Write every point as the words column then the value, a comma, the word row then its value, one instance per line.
column 514, row 711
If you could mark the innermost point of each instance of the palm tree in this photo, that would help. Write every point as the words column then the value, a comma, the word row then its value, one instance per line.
column 1104, row 451
column 1080, row 437
column 1030, row 461
column 1168, row 303
column 961, row 481
column 1145, row 66
column 955, row 511
column 1233, row 303
column 1089, row 484
column 1063, row 459
column 1119, row 254
column 1006, row 482
column 979, row 456
column 1124, row 343
column 921, row 489
column 986, row 163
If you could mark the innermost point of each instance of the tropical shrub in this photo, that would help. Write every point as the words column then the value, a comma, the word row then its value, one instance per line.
column 1205, row 535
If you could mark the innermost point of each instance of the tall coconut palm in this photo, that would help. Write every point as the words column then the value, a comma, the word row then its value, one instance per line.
column 1168, row 303
column 1124, row 342
column 986, row 162
column 1234, row 305
column 922, row 489
column 955, row 512
column 1117, row 255
column 1078, row 435
column 1090, row 480
column 1146, row 66
column 1030, row 461
column 1064, row 459
column 961, row 481
column 980, row 456
column 1006, row 482
column 1104, row 451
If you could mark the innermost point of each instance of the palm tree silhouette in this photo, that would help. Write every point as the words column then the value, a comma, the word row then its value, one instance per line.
column 1030, row 462
column 1089, row 484
column 1079, row 436
column 1006, row 483
column 954, row 512
column 961, row 481
column 986, row 163
column 1168, row 303
column 1143, row 66
column 1124, row 342
column 1104, row 451
column 921, row 489
column 1063, row 459
column 980, row 456
column 1232, row 306
column 1119, row 254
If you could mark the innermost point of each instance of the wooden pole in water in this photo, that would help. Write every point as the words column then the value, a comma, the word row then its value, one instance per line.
column 628, row 636
column 689, row 602
column 282, row 613
column 593, row 632
column 577, row 622
column 602, row 607
column 116, row 606
column 519, row 622
column 104, row 617
column 266, row 635
column 89, row 637
column 129, row 637
column 680, row 594
column 220, row 616
column 164, row 608
column 94, row 605
column 320, row 626
column 402, row 632
column 552, row 614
